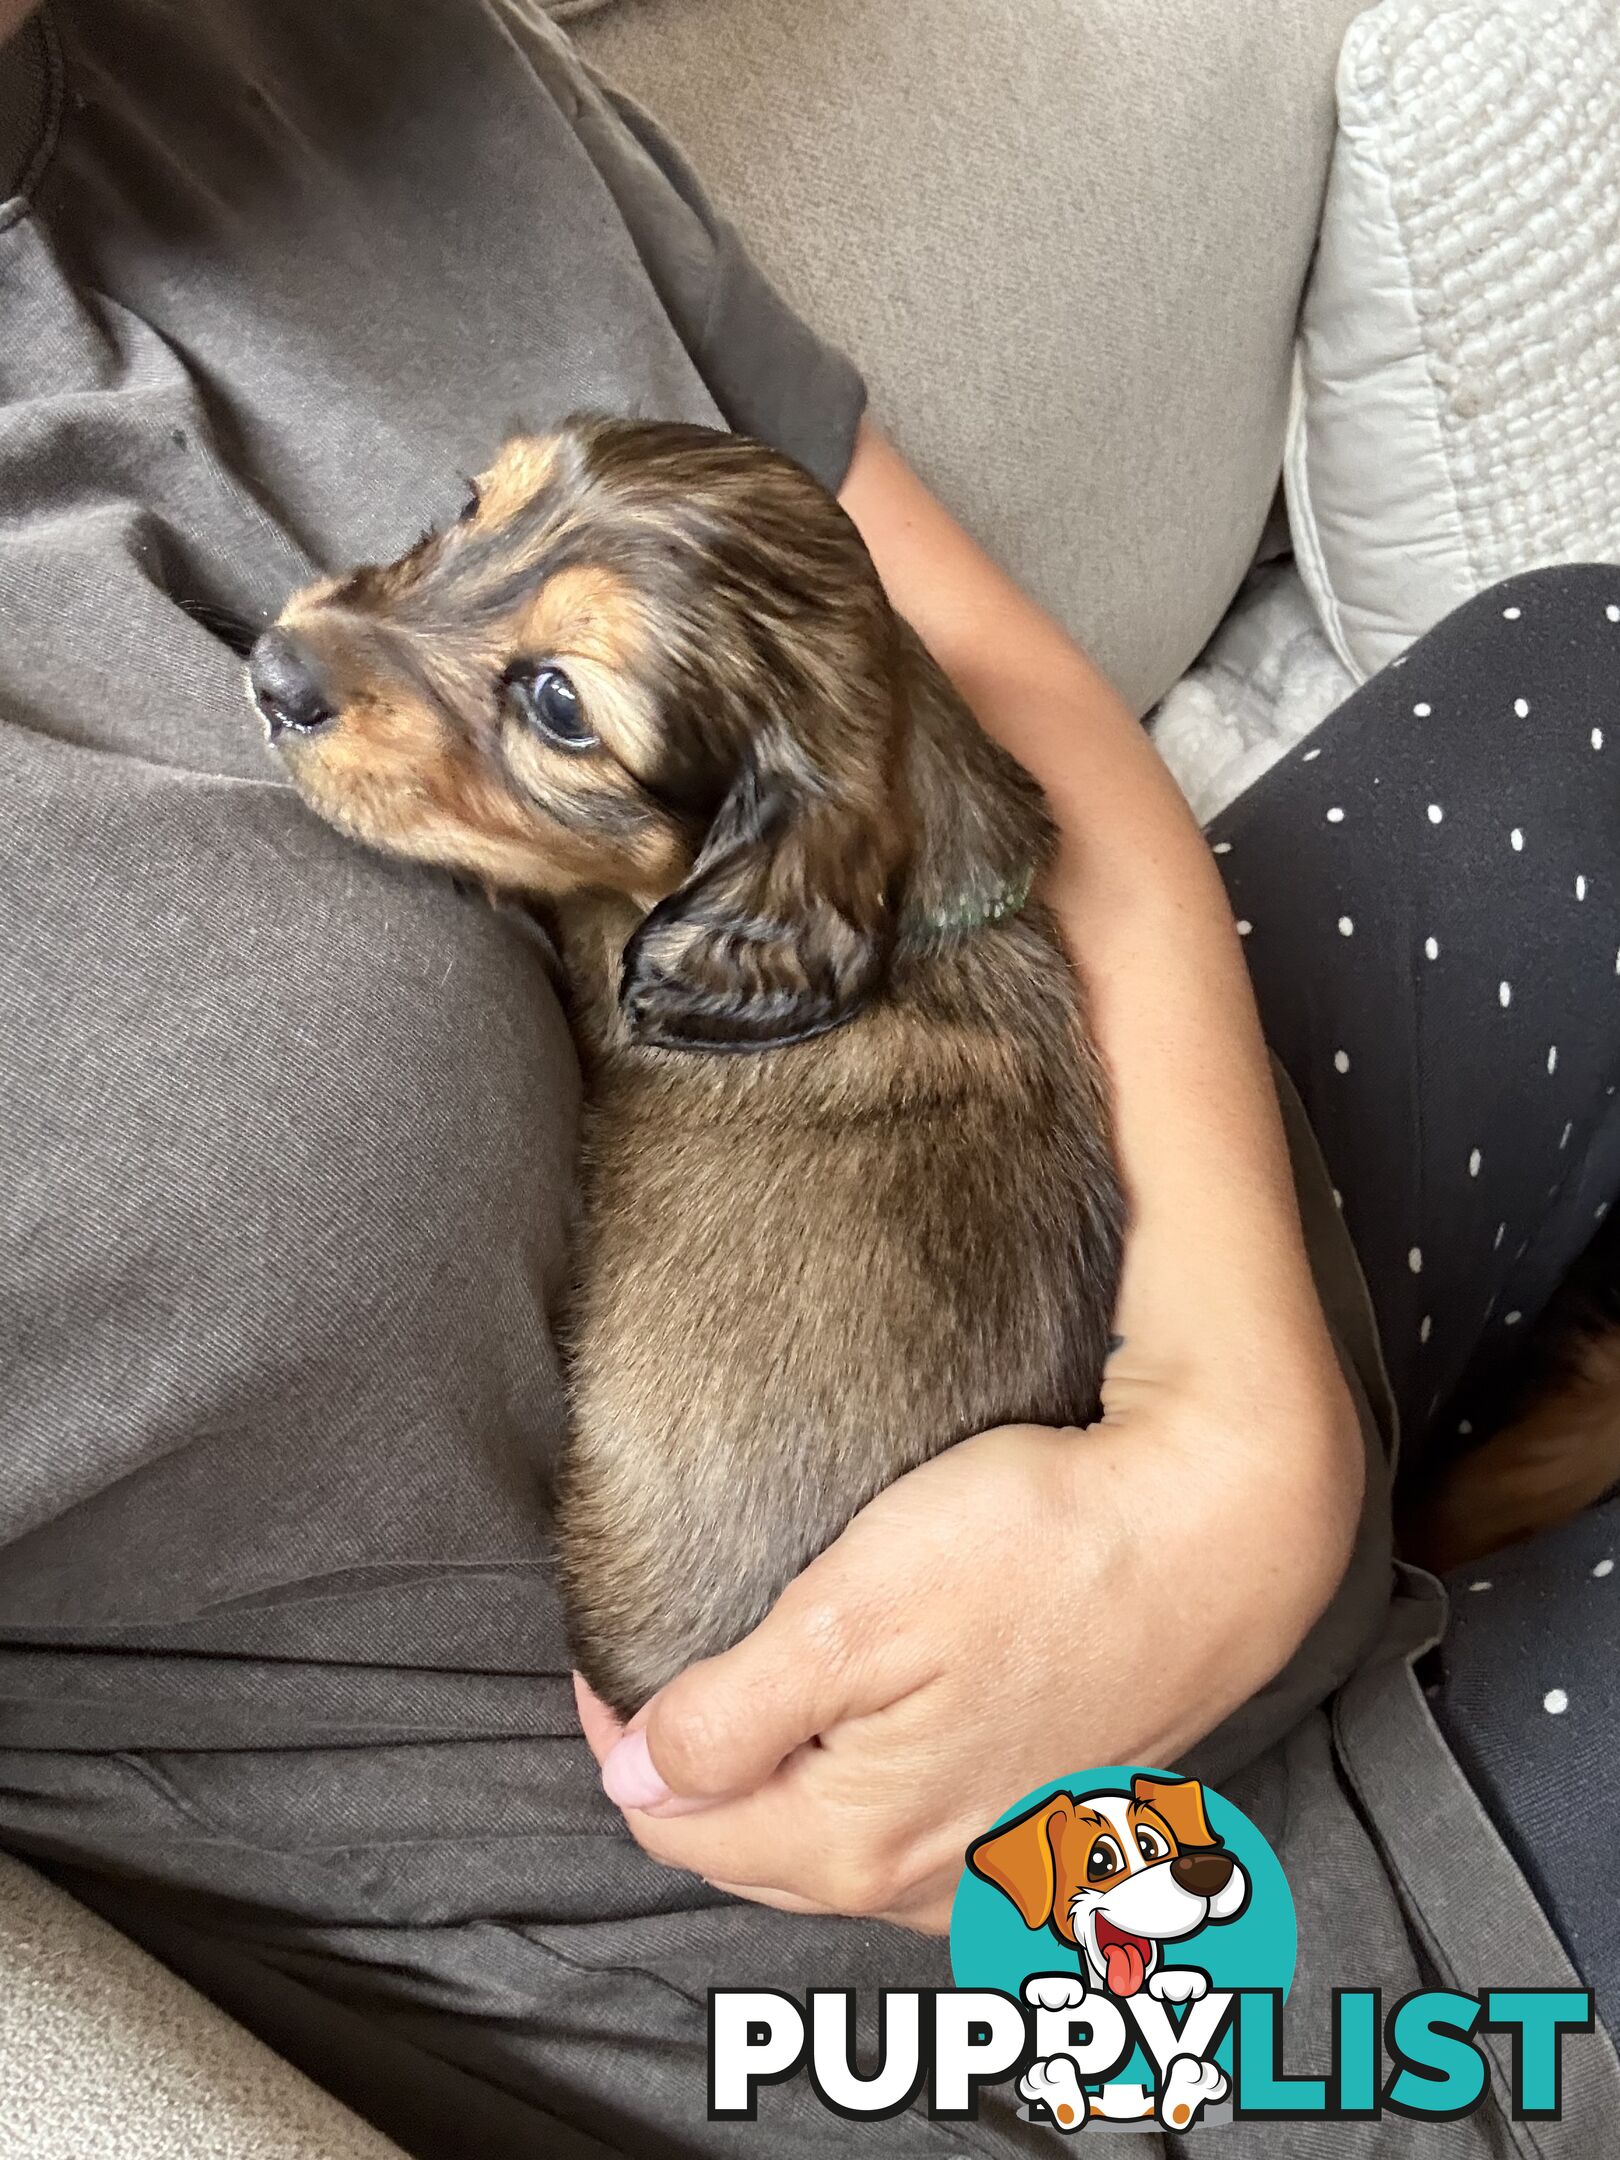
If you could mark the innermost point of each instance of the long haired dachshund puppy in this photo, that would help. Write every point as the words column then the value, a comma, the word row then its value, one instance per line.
column 848, row 1191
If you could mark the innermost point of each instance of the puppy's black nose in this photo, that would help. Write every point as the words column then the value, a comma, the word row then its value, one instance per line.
column 287, row 686
column 1205, row 1874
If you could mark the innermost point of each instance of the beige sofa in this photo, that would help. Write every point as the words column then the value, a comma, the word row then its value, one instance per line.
column 1067, row 239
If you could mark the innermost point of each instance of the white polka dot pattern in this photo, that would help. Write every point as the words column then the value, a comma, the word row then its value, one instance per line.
column 1505, row 925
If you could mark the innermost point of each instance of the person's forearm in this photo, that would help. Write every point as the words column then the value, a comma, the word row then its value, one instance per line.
column 1217, row 1284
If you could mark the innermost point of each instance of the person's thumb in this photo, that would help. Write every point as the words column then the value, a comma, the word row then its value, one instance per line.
column 721, row 1728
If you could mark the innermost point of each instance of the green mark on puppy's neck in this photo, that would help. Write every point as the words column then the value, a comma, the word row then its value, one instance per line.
column 970, row 911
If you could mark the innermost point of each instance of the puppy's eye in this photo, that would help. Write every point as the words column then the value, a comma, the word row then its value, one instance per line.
column 1104, row 1858
column 548, row 701
column 471, row 503
column 1150, row 1845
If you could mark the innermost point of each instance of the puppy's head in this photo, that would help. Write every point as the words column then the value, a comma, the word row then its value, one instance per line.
column 648, row 661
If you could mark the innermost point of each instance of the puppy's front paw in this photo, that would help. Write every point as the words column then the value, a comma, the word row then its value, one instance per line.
column 1179, row 1984
column 1189, row 2087
column 1055, row 1991
column 1056, row 2084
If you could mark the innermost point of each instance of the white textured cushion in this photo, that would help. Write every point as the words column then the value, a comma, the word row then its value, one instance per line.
column 1265, row 680
column 105, row 2055
column 1456, row 410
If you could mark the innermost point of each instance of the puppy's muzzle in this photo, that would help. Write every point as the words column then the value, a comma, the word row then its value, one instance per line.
column 287, row 686
column 1204, row 1874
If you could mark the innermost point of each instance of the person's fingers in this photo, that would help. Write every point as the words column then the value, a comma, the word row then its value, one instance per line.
column 631, row 1781
column 771, row 1855
column 601, row 1728
column 748, row 1841
column 833, row 1829
column 721, row 1728
column 606, row 1737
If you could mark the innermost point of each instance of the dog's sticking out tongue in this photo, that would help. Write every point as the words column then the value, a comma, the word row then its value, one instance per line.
column 1124, row 1956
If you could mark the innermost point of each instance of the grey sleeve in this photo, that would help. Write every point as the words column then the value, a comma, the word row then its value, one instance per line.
column 766, row 369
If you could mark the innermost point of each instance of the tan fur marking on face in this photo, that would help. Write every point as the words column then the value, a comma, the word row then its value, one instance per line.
column 523, row 468
column 585, row 612
column 394, row 773
column 307, row 601
column 590, row 621
column 582, row 789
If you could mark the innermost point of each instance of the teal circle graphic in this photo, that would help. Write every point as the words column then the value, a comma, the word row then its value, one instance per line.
column 992, row 1948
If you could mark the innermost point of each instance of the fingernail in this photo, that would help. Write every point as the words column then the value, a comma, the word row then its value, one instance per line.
column 628, row 1776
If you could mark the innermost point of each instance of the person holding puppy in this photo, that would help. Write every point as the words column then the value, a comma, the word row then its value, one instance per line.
column 289, row 1141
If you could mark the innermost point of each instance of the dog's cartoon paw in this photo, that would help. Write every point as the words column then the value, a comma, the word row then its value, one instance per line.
column 1056, row 2084
column 1055, row 1991
column 1189, row 2087
column 1178, row 1984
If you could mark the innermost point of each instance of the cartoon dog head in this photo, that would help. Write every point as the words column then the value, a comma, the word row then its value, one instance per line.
column 1114, row 1874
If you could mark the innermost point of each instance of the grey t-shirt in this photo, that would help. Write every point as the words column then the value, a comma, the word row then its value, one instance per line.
column 286, row 1129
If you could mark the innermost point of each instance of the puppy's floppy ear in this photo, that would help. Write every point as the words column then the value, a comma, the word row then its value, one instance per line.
column 783, row 929
column 1021, row 1860
column 1181, row 1802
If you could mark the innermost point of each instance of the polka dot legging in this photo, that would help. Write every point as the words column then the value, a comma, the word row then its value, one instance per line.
column 1429, row 893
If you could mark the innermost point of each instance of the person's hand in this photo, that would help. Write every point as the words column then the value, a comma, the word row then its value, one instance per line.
column 1029, row 1604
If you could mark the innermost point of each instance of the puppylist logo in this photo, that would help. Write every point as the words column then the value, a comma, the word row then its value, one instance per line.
column 1123, row 1945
